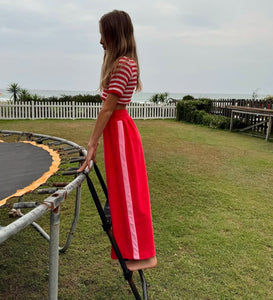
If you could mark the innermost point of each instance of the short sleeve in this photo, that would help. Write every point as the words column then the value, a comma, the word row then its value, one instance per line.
column 120, row 78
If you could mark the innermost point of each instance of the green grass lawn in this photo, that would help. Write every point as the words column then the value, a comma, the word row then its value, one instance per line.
column 212, row 206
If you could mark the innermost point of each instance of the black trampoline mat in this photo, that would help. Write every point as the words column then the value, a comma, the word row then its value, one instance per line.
column 20, row 165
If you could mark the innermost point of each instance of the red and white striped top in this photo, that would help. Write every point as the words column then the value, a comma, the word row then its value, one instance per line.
column 123, row 81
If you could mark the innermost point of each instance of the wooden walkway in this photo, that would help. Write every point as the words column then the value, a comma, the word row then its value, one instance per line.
column 265, row 117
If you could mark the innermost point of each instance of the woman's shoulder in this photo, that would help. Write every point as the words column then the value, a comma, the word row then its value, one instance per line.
column 125, row 64
column 125, row 60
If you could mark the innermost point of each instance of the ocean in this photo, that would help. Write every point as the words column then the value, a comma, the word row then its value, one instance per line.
column 137, row 97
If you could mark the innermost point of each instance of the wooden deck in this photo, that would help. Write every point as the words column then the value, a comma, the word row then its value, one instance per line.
column 266, row 114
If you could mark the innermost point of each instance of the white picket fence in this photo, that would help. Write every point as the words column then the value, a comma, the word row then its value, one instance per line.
column 10, row 110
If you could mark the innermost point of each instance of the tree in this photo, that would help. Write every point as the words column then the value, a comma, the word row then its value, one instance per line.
column 163, row 97
column 15, row 89
column 24, row 95
column 188, row 97
column 159, row 98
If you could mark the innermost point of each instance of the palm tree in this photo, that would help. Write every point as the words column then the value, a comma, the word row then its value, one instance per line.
column 159, row 98
column 15, row 89
column 24, row 95
column 154, row 98
column 163, row 97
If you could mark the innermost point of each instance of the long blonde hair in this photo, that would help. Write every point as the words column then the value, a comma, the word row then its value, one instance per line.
column 118, row 33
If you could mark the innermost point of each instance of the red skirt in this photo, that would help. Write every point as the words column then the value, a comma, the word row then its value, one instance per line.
column 128, row 190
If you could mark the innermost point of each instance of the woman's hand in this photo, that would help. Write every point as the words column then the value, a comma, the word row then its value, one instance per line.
column 103, row 117
column 91, row 155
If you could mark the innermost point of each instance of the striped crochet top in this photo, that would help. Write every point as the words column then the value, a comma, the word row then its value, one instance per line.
column 123, row 81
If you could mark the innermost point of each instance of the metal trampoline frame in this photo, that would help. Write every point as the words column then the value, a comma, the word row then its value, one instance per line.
column 52, row 204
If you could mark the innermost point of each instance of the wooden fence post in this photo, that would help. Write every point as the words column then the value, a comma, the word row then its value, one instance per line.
column 231, row 120
column 269, row 128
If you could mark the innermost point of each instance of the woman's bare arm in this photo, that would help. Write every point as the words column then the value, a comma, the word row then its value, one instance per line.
column 103, row 117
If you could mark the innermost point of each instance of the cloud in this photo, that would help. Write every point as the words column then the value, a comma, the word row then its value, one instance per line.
column 165, row 8
column 198, row 44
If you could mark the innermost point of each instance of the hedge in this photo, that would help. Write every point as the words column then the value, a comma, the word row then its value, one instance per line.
column 62, row 98
column 197, row 112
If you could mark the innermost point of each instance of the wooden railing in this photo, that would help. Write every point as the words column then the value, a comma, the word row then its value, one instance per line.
column 220, row 107
column 250, row 115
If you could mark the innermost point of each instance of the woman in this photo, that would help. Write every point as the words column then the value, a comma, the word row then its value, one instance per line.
column 123, row 154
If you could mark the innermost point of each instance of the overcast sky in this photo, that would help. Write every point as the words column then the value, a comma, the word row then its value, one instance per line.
column 184, row 46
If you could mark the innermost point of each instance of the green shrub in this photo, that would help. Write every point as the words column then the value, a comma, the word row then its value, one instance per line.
column 188, row 97
column 68, row 98
column 80, row 98
column 197, row 112
column 204, row 104
column 200, row 115
column 179, row 111
column 216, row 121
column 185, row 108
column 269, row 98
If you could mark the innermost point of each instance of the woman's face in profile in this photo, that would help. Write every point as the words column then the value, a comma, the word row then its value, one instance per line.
column 102, row 40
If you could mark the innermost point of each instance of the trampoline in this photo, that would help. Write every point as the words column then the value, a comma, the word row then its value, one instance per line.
column 27, row 165
column 33, row 164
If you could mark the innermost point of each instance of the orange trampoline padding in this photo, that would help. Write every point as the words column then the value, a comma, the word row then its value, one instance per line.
column 24, row 166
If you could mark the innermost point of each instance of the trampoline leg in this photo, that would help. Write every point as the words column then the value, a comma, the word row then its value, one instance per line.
column 75, row 220
column 54, row 253
column 144, row 285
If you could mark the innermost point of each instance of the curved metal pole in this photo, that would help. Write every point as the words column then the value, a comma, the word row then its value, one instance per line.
column 16, row 226
column 75, row 221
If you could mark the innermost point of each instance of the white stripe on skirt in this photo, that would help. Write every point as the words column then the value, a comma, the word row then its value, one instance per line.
column 127, row 189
